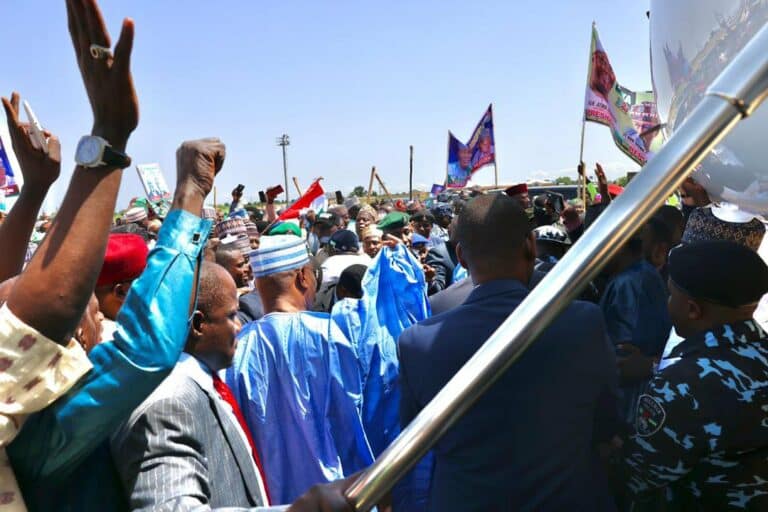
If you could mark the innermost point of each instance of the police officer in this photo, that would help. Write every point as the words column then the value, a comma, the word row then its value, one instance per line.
column 702, row 424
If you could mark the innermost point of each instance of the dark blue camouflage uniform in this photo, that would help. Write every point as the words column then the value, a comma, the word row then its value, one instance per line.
column 702, row 424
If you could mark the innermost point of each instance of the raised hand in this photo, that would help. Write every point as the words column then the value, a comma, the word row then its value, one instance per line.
column 107, row 77
column 601, row 179
column 72, row 253
column 391, row 241
column 197, row 164
column 602, row 184
column 40, row 170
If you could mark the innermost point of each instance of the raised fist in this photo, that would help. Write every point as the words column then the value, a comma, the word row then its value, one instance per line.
column 198, row 162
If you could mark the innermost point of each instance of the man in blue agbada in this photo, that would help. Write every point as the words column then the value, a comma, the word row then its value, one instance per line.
column 319, row 390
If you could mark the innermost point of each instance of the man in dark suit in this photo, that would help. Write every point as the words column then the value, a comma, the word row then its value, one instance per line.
column 442, row 258
column 251, row 308
column 528, row 442
column 187, row 446
column 451, row 297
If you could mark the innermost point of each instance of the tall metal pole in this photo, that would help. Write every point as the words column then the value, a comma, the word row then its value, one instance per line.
column 736, row 93
column 410, row 177
column 284, row 141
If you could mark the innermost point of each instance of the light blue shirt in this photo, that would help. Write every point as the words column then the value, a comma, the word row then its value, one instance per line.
column 53, row 456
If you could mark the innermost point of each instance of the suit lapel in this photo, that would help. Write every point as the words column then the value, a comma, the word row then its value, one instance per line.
column 241, row 451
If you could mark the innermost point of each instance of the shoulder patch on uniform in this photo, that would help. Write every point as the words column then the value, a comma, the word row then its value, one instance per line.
column 650, row 416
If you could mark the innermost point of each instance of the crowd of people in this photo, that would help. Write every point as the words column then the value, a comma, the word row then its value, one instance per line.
column 230, row 359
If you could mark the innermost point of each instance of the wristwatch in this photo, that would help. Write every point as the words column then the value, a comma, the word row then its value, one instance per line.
column 93, row 151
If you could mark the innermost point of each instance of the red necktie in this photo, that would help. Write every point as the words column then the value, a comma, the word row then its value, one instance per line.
column 226, row 394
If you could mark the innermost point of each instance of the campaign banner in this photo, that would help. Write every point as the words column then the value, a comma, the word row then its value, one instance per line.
column 8, row 183
column 482, row 142
column 459, row 163
column 631, row 116
column 154, row 182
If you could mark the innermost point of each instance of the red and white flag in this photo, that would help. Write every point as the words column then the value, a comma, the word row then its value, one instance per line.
column 312, row 199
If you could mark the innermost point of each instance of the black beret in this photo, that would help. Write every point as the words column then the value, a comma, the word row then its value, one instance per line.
column 719, row 271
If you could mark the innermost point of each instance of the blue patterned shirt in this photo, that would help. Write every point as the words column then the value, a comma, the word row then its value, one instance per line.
column 702, row 424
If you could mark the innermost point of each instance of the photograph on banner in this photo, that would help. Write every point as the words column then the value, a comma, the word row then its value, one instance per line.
column 606, row 102
column 459, row 163
column 154, row 182
column 645, row 118
column 482, row 142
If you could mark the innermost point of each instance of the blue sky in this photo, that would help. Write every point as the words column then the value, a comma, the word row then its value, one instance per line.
column 352, row 83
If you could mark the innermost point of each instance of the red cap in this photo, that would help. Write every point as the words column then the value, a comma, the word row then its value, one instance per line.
column 125, row 259
column 400, row 205
column 614, row 189
column 521, row 188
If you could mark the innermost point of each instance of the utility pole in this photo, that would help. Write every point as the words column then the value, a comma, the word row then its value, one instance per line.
column 284, row 141
column 410, row 177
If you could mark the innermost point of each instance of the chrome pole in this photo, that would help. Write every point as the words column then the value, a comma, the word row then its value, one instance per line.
column 738, row 90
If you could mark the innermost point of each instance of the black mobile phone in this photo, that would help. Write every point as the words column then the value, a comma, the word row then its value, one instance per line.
column 339, row 197
column 262, row 196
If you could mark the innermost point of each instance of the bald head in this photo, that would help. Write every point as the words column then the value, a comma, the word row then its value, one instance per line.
column 214, row 324
column 495, row 240
column 215, row 286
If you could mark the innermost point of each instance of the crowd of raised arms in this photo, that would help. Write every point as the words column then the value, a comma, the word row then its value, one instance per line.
column 203, row 359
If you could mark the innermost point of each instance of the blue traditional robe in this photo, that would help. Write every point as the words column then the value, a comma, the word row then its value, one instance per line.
column 319, row 391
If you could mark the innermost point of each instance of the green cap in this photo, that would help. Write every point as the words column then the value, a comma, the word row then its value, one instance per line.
column 394, row 220
column 285, row 228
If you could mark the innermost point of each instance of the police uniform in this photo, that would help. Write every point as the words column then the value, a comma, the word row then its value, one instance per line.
column 702, row 423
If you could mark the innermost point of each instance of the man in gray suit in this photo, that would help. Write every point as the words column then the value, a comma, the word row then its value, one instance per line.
column 186, row 447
